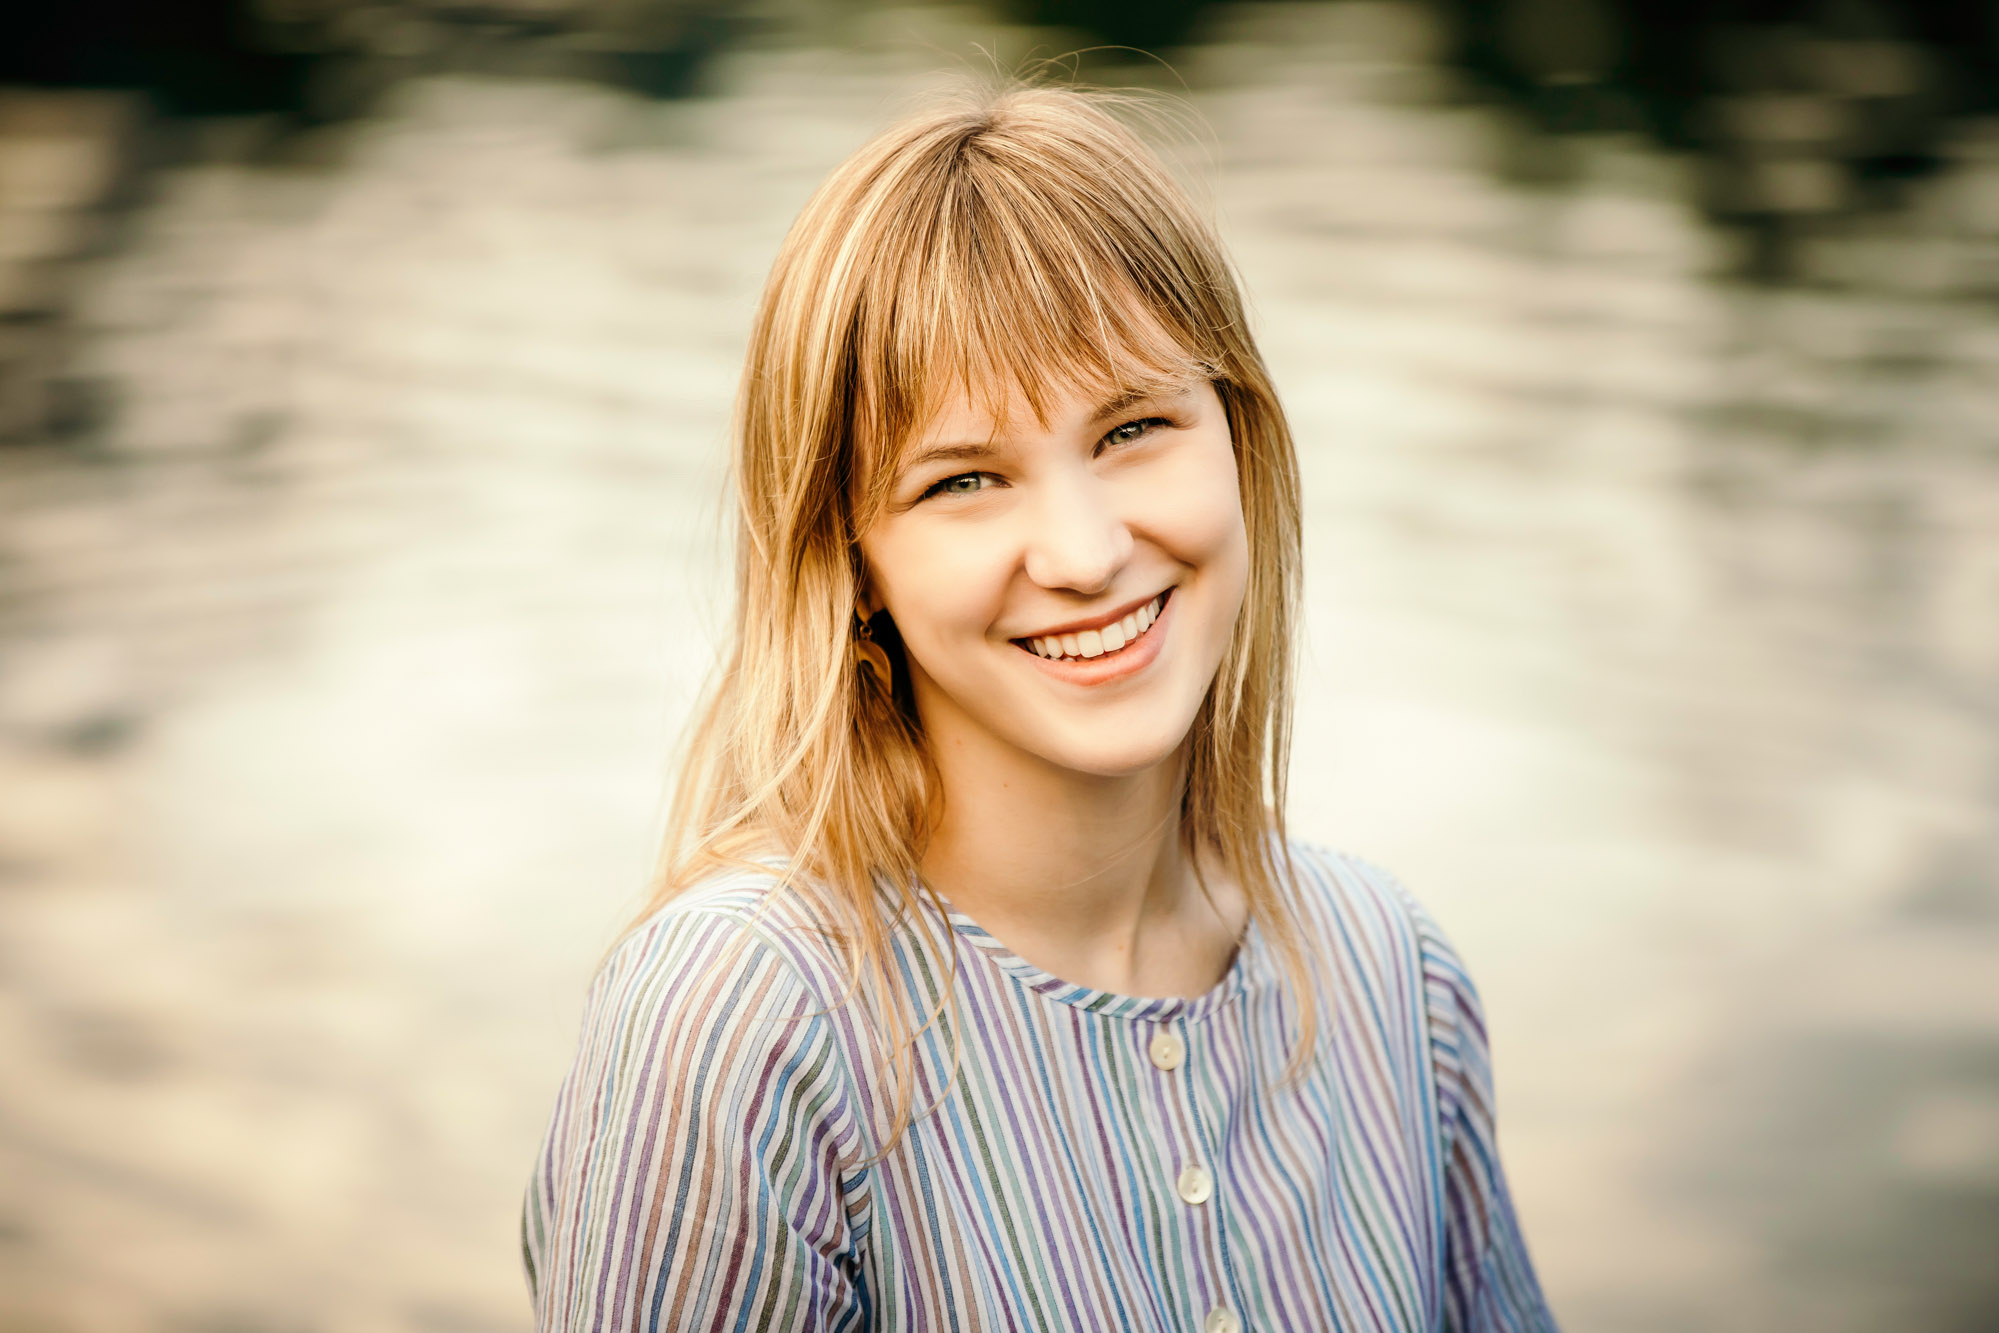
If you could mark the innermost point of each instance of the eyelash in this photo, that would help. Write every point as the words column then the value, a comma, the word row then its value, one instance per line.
column 1149, row 423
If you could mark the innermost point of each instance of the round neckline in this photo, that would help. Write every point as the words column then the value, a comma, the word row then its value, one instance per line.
column 1112, row 1004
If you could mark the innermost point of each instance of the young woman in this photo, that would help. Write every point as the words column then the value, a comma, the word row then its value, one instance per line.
column 984, row 989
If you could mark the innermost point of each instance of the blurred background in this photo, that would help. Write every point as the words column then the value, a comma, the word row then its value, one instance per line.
column 364, row 375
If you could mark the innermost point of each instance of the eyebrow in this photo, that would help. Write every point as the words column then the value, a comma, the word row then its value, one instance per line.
column 1110, row 407
column 1130, row 398
column 935, row 453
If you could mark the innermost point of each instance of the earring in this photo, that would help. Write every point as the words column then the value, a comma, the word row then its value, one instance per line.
column 871, row 656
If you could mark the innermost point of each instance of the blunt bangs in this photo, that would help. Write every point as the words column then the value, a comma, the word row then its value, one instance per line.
column 1026, row 257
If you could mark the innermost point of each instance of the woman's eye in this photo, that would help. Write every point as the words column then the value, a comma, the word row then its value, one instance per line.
column 965, row 483
column 1132, row 430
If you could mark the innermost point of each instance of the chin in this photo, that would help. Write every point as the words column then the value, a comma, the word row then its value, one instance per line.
column 1112, row 756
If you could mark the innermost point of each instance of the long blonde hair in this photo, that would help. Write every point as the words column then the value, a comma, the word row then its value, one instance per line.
column 1025, row 238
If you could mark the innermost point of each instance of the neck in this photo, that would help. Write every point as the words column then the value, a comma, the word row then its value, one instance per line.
column 1083, row 875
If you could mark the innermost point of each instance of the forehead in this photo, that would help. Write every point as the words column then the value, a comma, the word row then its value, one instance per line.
column 1008, row 353
column 995, row 411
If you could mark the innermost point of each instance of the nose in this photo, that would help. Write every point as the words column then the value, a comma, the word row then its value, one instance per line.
column 1078, row 539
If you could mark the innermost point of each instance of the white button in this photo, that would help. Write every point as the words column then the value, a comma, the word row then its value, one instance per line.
column 1167, row 1050
column 1221, row 1321
column 1196, row 1185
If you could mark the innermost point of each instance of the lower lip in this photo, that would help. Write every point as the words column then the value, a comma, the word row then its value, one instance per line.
column 1134, row 657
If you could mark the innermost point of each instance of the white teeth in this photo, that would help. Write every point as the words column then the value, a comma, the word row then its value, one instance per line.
column 1097, row 642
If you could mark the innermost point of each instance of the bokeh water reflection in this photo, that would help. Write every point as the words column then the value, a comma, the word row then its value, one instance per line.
column 1653, row 638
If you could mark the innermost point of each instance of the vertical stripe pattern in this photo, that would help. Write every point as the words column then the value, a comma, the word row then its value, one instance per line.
column 711, row 1160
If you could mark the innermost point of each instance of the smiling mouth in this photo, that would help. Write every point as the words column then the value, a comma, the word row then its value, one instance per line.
column 1099, row 642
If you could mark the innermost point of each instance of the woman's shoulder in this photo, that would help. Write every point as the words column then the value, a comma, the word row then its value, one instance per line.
column 1347, row 891
column 740, row 921
column 1357, row 909
column 708, row 1087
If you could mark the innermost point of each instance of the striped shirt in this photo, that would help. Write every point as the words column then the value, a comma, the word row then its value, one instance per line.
column 1101, row 1161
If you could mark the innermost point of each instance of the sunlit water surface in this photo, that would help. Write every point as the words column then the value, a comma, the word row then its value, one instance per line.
column 1653, row 640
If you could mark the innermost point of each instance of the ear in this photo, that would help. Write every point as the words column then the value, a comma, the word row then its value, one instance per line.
column 866, row 604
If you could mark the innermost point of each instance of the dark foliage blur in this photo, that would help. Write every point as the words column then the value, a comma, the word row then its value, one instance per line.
column 328, row 58
column 1802, row 109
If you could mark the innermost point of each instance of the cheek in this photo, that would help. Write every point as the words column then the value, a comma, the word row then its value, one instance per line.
column 937, row 585
column 1196, row 510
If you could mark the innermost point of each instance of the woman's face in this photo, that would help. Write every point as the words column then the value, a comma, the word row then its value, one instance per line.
column 1024, row 567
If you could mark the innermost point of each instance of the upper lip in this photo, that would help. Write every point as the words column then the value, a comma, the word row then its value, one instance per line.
column 1109, row 618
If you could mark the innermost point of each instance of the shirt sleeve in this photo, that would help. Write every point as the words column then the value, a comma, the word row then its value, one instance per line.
column 1489, row 1281
column 697, row 1171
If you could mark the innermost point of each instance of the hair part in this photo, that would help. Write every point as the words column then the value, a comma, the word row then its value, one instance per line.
column 999, row 244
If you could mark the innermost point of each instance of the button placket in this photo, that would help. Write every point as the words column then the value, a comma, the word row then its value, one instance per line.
column 1195, row 1183
column 1168, row 1051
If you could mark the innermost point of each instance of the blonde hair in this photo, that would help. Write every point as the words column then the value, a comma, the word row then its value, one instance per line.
column 1021, row 238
